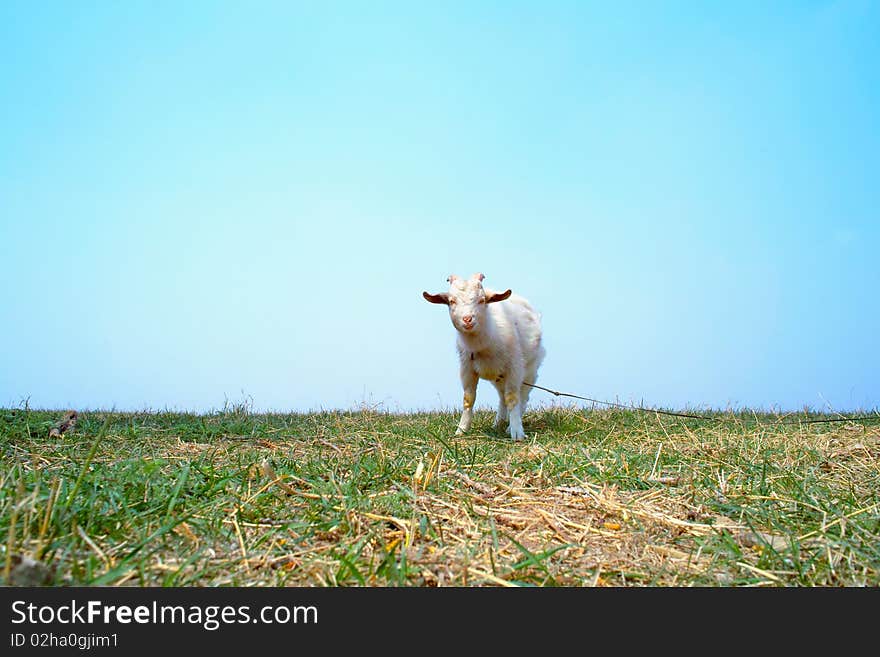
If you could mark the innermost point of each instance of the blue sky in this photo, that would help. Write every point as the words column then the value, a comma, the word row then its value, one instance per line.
column 210, row 201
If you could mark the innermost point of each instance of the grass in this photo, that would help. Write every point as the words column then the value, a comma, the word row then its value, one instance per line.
column 367, row 498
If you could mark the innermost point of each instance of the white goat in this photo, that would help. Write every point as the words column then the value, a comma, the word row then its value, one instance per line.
column 499, row 342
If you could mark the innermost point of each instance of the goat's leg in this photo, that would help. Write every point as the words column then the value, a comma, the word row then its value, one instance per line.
column 469, row 383
column 514, row 411
column 501, row 415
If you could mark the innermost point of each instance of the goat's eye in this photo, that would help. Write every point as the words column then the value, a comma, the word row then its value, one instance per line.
column 452, row 302
column 483, row 300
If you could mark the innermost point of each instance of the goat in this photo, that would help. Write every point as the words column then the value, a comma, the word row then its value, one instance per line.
column 499, row 340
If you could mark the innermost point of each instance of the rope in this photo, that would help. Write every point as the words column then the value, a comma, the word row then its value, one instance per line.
column 705, row 418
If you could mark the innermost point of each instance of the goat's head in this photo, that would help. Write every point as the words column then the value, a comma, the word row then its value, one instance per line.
column 467, row 301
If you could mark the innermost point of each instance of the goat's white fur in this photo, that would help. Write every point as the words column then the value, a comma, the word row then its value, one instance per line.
column 499, row 339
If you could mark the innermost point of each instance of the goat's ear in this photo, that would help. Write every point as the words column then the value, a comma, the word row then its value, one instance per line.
column 478, row 277
column 497, row 296
column 437, row 298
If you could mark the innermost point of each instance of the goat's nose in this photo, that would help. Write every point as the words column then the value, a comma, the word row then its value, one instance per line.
column 468, row 319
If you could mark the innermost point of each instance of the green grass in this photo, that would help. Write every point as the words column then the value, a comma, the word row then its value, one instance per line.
column 366, row 498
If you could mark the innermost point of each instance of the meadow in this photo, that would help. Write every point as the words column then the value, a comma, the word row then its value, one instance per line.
column 369, row 498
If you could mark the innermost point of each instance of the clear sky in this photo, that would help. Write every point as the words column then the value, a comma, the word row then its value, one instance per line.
column 212, row 201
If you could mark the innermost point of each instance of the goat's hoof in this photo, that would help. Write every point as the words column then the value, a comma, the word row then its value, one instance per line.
column 517, row 435
column 459, row 432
